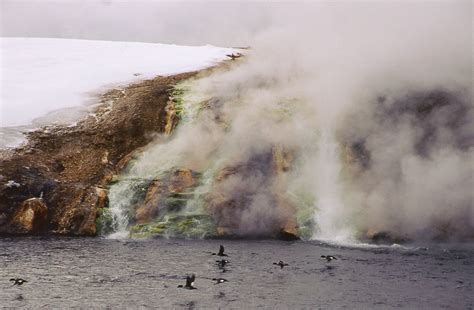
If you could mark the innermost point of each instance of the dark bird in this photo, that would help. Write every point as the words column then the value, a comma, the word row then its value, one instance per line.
column 189, row 282
column 281, row 264
column 221, row 263
column 221, row 251
column 234, row 56
column 328, row 258
column 18, row 281
column 219, row 280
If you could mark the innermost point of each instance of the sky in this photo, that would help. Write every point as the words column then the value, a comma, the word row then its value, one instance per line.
column 179, row 22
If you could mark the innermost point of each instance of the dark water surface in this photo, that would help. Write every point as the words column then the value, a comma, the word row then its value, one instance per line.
column 101, row 273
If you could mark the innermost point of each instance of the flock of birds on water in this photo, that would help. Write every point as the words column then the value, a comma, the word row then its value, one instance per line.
column 190, row 279
column 223, row 262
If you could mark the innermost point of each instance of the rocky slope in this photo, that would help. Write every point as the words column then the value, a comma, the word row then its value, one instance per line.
column 57, row 181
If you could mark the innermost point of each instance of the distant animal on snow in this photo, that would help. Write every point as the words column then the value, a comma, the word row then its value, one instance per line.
column 234, row 56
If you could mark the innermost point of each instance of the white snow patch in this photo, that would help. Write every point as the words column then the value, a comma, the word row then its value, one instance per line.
column 43, row 75
column 12, row 183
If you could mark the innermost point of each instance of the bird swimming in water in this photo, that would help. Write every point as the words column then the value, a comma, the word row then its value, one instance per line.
column 219, row 280
column 18, row 281
column 281, row 264
column 328, row 258
column 221, row 251
column 221, row 263
column 189, row 282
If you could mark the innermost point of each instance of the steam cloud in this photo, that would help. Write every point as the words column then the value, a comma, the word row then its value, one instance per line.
column 374, row 101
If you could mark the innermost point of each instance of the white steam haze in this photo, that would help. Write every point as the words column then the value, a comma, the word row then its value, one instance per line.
column 319, row 79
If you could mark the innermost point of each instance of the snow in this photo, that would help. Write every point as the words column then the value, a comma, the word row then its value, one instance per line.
column 42, row 75
column 12, row 183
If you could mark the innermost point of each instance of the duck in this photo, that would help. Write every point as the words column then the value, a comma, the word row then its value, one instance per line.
column 219, row 280
column 328, row 258
column 189, row 282
column 221, row 263
column 18, row 281
column 221, row 251
column 281, row 264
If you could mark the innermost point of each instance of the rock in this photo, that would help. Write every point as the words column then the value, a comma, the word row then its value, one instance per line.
column 223, row 231
column 69, row 165
column 80, row 212
column 151, row 206
column 31, row 217
column 379, row 236
column 104, row 222
column 105, row 158
column 171, row 117
column 12, row 183
column 102, row 198
column 288, row 235
column 181, row 180
column 57, row 166
column 282, row 159
column 231, row 198
column 3, row 219
column 166, row 193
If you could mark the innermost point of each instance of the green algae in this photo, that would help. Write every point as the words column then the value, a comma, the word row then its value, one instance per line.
column 175, row 204
column 177, row 96
column 177, row 219
column 177, row 226
column 104, row 221
column 304, row 203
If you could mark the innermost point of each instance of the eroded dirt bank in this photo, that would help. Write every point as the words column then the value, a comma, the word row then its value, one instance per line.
column 56, row 182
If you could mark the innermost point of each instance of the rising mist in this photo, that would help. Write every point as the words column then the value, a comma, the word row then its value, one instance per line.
column 392, row 79
column 373, row 102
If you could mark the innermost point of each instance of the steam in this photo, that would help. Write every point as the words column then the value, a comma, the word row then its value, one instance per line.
column 344, row 79
column 331, row 220
column 419, row 179
column 339, row 86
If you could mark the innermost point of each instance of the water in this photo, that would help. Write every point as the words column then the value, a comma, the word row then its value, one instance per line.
column 157, row 161
column 104, row 273
column 122, row 196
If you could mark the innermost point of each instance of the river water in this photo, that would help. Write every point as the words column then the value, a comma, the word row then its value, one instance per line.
column 104, row 273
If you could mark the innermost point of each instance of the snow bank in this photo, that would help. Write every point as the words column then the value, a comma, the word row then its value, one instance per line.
column 41, row 75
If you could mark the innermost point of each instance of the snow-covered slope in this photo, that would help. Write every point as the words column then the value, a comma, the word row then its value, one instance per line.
column 41, row 75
